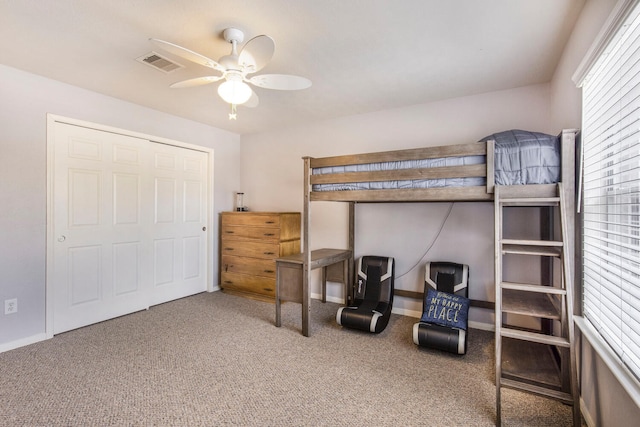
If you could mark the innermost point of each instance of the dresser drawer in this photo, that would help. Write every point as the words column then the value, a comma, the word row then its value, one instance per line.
column 251, row 266
column 244, row 232
column 247, row 283
column 250, row 249
column 251, row 219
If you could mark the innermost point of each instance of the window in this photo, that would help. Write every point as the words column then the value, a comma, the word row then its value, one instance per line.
column 611, row 192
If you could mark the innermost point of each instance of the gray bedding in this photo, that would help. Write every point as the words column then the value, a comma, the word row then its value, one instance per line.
column 521, row 157
column 524, row 157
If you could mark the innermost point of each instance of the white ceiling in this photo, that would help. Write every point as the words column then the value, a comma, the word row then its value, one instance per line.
column 361, row 55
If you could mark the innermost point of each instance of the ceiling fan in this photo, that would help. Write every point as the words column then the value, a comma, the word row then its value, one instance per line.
column 235, row 69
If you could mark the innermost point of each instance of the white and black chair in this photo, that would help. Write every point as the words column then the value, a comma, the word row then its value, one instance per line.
column 445, row 309
column 373, row 296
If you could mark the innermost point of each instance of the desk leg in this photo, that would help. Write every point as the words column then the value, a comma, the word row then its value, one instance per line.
column 324, row 284
column 278, row 308
column 345, row 277
column 306, row 300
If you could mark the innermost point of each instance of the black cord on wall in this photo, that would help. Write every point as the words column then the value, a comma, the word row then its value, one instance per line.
column 433, row 242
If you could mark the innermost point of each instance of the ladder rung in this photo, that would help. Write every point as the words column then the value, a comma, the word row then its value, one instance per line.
column 534, row 337
column 523, row 242
column 535, row 389
column 533, row 288
column 530, row 201
column 530, row 304
column 530, row 250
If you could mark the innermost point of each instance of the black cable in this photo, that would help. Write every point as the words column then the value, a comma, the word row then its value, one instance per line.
column 433, row 242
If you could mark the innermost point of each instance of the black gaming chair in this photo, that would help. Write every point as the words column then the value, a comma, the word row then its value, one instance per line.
column 449, row 284
column 373, row 296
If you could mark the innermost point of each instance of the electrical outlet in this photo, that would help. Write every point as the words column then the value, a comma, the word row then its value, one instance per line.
column 11, row 306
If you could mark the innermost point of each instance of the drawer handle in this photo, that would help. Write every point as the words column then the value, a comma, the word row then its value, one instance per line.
column 228, row 282
column 269, row 253
column 229, row 232
column 268, row 289
column 228, row 249
column 269, row 234
column 270, row 222
column 269, row 271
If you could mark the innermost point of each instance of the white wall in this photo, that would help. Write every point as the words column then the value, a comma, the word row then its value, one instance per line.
column 25, row 100
column 272, row 179
column 566, row 98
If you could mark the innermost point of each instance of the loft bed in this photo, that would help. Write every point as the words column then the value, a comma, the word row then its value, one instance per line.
column 465, row 172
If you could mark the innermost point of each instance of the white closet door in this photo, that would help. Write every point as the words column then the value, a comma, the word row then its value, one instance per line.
column 129, row 218
column 179, row 221
column 101, row 198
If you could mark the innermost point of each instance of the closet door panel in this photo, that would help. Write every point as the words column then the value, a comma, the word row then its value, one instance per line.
column 126, row 199
column 163, row 256
column 126, row 267
column 98, row 244
column 179, row 229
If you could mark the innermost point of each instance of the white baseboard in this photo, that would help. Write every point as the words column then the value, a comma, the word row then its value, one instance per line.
column 413, row 313
column 406, row 312
column 22, row 342
column 586, row 415
column 482, row 326
column 329, row 299
column 418, row 314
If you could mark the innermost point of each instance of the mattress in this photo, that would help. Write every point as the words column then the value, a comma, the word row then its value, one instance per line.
column 521, row 157
column 405, row 164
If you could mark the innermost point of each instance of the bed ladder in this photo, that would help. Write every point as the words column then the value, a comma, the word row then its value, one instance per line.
column 538, row 359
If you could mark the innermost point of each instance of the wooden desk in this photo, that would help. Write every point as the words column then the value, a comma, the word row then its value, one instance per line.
column 335, row 268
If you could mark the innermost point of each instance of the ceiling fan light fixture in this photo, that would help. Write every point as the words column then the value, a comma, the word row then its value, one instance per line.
column 235, row 67
column 234, row 91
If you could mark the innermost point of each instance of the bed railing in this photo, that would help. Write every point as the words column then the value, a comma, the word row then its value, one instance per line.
column 467, row 193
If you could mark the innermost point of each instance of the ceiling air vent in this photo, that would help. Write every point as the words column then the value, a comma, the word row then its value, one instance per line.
column 159, row 62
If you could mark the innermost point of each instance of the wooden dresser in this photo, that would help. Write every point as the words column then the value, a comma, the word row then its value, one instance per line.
column 250, row 242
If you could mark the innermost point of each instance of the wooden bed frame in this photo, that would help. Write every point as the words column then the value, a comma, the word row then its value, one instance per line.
column 439, row 194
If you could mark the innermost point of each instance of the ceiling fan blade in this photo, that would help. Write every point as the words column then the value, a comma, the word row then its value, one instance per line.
column 280, row 81
column 253, row 101
column 198, row 81
column 187, row 54
column 256, row 53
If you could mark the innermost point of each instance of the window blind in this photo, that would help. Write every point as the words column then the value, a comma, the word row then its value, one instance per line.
column 611, row 193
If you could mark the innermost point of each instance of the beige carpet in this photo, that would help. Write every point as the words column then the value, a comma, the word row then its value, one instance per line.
column 218, row 360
